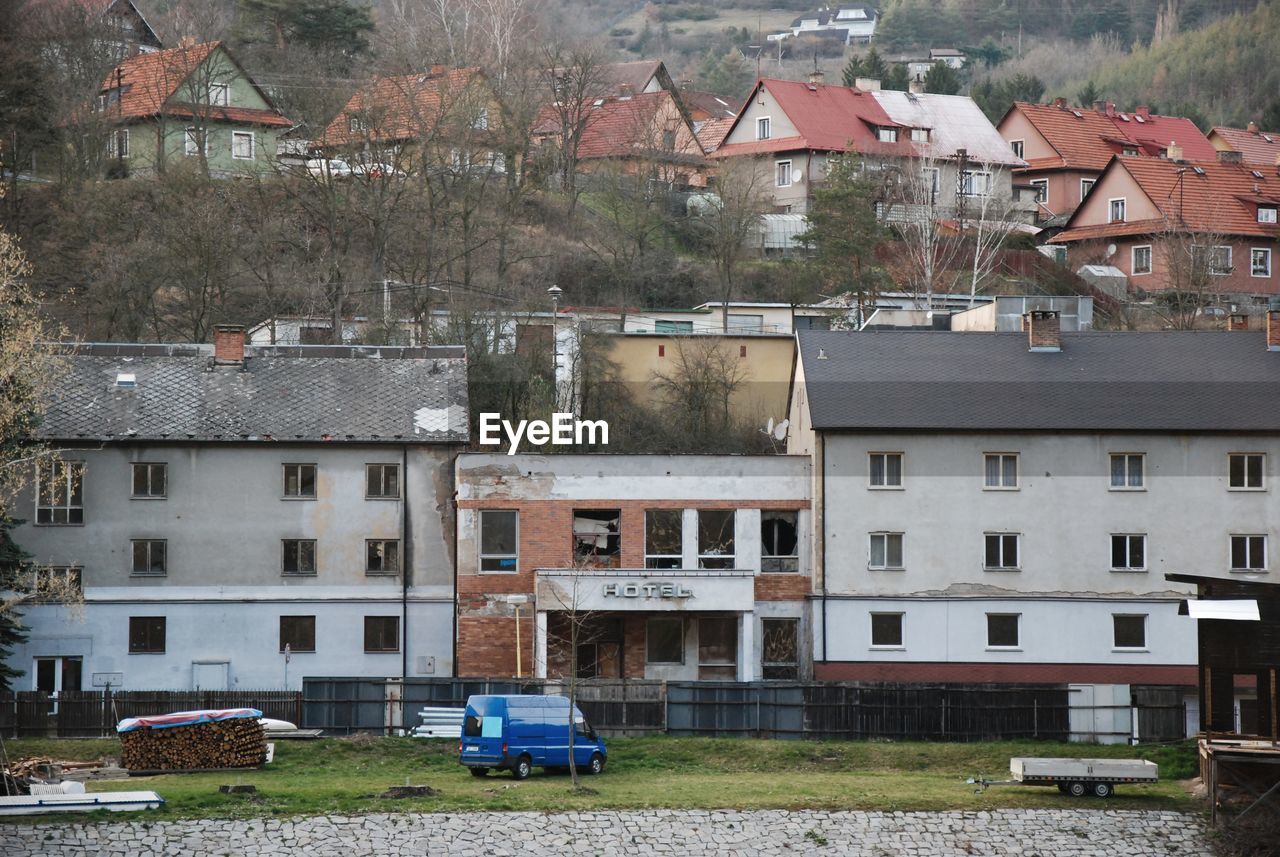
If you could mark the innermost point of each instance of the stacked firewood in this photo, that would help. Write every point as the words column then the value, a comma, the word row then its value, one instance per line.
column 236, row 743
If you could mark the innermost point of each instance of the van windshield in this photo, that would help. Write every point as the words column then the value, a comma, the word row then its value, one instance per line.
column 471, row 726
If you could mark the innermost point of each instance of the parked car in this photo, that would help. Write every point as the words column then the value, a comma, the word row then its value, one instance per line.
column 326, row 167
column 516, row 733
column 375, row 171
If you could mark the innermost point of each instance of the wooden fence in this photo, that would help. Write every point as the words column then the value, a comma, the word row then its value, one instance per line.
column 91, row 713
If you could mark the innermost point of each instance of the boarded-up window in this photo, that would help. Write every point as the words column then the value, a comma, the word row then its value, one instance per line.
column 780, row 649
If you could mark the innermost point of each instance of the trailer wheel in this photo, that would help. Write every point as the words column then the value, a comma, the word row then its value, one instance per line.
column 1077, row 789
column 1102, row 789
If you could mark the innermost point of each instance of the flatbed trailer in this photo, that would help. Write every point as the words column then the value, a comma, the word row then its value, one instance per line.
column 1076, row 777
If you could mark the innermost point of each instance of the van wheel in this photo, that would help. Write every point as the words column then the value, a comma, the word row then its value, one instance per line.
column 596, row 764
column 1077, row 790
column 479, row 772
column 1102, row 789
column 522, row 768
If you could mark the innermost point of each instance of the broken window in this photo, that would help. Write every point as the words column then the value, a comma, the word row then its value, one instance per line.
column 715, row 538
column 382, row 556
column 596, row 538
column 663, row 533
column 778, row 541
column 780, row 649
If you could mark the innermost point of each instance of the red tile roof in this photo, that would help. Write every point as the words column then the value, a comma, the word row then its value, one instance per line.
column 635, row 74
column 1086, row 138
column 826, row 118
column 1260, row 148
column 401, row 107
column 711, row 133
column 1207, row 196
column 618, row 127
column 147, row 84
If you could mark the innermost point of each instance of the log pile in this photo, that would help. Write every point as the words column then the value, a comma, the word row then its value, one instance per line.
column 237, row 743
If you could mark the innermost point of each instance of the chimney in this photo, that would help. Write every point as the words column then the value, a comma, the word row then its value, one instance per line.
column 1229, row 157
column 1238, row 321
column 1060, row 103
column 816, row 77
column 1253, row 127
column 1100, row 106
column 228, row 345
column 1111, row 108
column 1142, row 111
column 1273, row 324
column 867, row 84
column 1174, row 152
column 437, row 69
column 1043, row 330
column 916, row 87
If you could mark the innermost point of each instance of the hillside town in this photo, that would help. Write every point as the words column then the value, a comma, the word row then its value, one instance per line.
column 367, row 362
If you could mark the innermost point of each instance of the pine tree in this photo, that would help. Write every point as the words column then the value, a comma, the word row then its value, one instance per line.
column 898, row 79
column 1088, row 95
column 942, row 79
column 874, row 65
column 853, row 70
column 14, row 563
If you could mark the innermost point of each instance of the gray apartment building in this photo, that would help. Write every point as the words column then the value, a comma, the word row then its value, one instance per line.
column 239, row 517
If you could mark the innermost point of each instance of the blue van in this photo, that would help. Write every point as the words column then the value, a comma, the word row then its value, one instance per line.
column 518, row 732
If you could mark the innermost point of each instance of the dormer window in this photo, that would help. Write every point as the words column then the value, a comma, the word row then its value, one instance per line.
column 1266, row 214
column 1116, row 210
column 919, row 135
column 887, row 135
column 1129, row 152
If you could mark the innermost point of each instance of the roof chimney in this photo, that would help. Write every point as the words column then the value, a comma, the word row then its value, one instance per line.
column 867, row 84
column 1044, row 332
column 1174, row 152
column 816, row 77
column 916, row 87
column 1238, row 321
column 1100, row 106
column 1060, row 103
column 1273, row 324
column 1226, row 156
column 1253, row 127
column 1111, row 108
column 1143, row 111
column 228, row 345
column 437, row 69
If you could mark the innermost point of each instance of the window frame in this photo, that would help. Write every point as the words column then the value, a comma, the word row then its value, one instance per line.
column 315, row 480
column 1253, row 267
column 395, row 621
column 195, row 141
column 1133, row 260
column 886, row 537
column 369, row 545
column 781, row 563
column 1249, row 543
column 648, row 652
column 777, row 177
column 901, row 645
column 1115, row 632
column 253, row 146
column 1018, row 147
column 1017, row 471
column 481, row 556
column 382, row 480
column 71, row 474
column 161, row 624
column 597, row 558
column 150, row 480
column 663, row 560
column 1267, row 208
column 1111, row 209
column 74, row 572
column 299, row 571
column 1262, row 471
column 1084, row 192
column 1216, row 270
column 1128, row 475
column 1002, row 536
column 224, row 100
column 149, row 546
column 885, row 134
column 1016, row 646
column 886, row 485
column 294, row 649
column 966, row 183
column 717, row 560
column 1042, row 190
column 765, row 124
column 792, row 666
column 920, row 135
column 1128, row 553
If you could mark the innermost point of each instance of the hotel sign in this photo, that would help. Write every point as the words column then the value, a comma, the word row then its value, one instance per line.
column 647, row 590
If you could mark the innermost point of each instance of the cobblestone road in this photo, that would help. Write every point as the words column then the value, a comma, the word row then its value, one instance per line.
column 1002, row 833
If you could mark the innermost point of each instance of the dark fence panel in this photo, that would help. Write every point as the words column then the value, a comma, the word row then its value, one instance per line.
column 1162, row 714
column 90, row 713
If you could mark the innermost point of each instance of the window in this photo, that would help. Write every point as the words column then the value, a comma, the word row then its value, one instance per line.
column 1266, row 214
column 299, row 556
column 481, row 122
column 1248, row 553
column 886, row 630
column 357, row 125
column 1127, row 471
column 150, row 481
column 382, row 633
column 887, row 135
column 668, row 141
column 382, row 481
column 933, row 176
column 1086, row 185
column 1220, row 260
column 780, row 649
column 717, row 648
column 974, row 183
column 1245, row 471
column 762, row 128
column 784, row 174
column 382, row 556
column 664, row 640
column 54, row 675
column 662, row 538
column 1017, row 147
column 1130, row 632
column 1128, row 552
column 300, row 481
column 1042, row 189
column 1001, row 551
column 60, row 492
column 919, row 135
column 146, row 635
column 1140, row 262
column 1116, row 210
column 885, row 469
column 242, row 148
column 56, row 583
column 298, row 633
column 715, row 538
column 499, row 540
column 194, row 141
column 118, row 143
column 218, row 94
column 596, row 537
column 149, row 556
column 884, row 551
column 1002, row 630
column 1260, row 262
column 1001, row 471
column 779, row 541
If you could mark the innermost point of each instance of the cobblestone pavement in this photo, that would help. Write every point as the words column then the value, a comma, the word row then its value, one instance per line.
column 1000, row 833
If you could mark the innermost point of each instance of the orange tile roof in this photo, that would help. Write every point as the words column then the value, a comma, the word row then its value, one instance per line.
column 1260, row 148
column 1086, row 139
column 617, row 126
column 402, row 107
column 144, row 85
column 712, row 131
column 1207, row 196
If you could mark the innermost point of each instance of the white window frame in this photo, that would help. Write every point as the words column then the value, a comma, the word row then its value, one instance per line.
column 253, row 145
column 1016, row 647
column 1128, row 551
column 901, row 645
column 1253, row 267
column 481, row 556
column 919, row 135
column 886, row 486
column 1018, row 147
column 1017, row 542
column 1221, row 270
column 1247, row 569
column 1115, row 647
column 764, row 127
column 1111, row 209
column 777, row 178
column 887, row 135
column 1266, row 214
column 1092, row 183
column 1246, row 486
column 967, row 178
column 223, row 99
column 194, row 140
column 64, row 477
column 1001, row 456
column 1133, row 260
column 1042, row 190
column 885, row 536
column 114, row 138
column 1142, row 471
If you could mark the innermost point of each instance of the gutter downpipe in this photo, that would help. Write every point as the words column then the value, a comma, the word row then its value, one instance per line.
column 406, row 556
column 822, row 527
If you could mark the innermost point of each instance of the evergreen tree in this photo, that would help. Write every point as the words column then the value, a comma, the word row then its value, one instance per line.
column 1270, row 119
column 853, row 70
column 843, row 231
column 874, row 65
column 14, row 562
column 942, row 79
column 1088, row 95
column 898, row 79
column 334, row 24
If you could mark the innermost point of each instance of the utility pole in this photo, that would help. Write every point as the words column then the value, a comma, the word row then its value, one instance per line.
column 554, row 292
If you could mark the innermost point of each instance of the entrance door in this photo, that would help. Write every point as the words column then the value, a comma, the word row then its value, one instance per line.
column 718, row 648
column 208, row 675
column 58, row 674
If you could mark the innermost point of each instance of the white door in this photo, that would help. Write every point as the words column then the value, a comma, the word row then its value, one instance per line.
column 209, row 675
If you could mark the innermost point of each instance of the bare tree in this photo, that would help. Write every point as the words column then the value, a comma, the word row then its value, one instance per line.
column 988, row 221
column 574, row 79
column 919, row 209
column 727, row 221
column 1196, row 261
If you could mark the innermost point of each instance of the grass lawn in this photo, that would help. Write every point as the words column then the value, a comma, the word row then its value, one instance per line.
column 342, row 776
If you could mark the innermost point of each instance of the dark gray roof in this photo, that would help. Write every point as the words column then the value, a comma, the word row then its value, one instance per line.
column 300, row 393
column 1122, row 381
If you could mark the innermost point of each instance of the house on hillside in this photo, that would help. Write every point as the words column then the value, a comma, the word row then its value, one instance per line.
column 1206, row 230
column 855, row 24
column 440, row 118
column 193, row 104
column 130, row 33
column 1257, row 148
column 1066, row 148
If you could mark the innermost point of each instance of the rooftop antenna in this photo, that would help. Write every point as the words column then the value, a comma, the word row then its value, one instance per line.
column 760, row 46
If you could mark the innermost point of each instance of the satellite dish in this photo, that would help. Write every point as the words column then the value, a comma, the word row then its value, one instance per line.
column 780, row 430
column 1111, row 250
column 768, row 427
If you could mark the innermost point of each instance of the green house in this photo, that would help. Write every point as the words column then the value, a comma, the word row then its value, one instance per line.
column 192, row 105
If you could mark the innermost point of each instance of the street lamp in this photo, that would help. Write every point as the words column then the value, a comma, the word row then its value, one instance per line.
column 515, row 601
column 554, row 292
